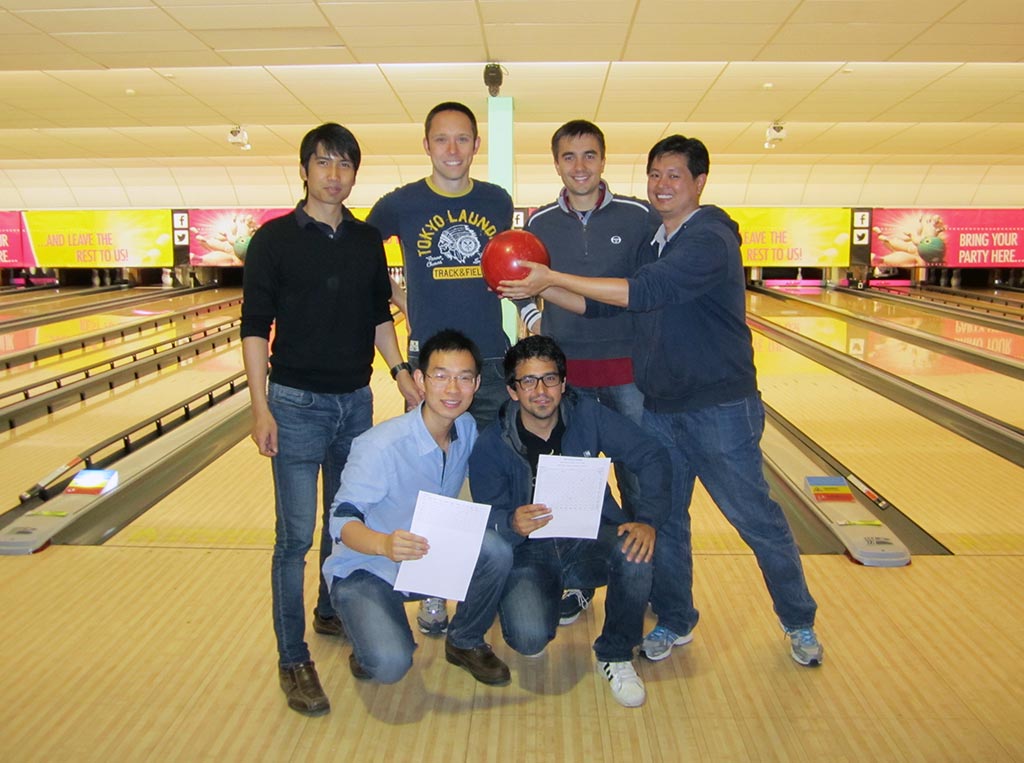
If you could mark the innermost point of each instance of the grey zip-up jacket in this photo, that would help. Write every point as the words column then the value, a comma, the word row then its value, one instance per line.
column 608, row 246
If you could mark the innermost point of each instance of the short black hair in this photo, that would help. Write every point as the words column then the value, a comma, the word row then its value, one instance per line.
column 698, row 161
column 576, row 128
column 449, row 340
column 334, row 138
column 449, row 106
column 537, row 346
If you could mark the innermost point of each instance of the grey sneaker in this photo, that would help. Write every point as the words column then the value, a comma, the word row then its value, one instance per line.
column 433, row 616
column 804, row 647
column 658, row 643
column 574, row 602
column 626, row 686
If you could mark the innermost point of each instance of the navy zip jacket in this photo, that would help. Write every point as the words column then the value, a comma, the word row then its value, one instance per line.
column 693, row 346
column 500, row 475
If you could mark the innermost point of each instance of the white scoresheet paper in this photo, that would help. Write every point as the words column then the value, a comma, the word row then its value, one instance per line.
column 573, row 488
column 455, row 530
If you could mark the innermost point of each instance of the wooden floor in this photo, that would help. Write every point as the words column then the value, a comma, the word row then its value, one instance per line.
column 166, row 654
column 158, row 647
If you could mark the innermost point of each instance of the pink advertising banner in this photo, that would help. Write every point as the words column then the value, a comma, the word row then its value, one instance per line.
column 220, row 237
column 951, row 238
column 13, row 253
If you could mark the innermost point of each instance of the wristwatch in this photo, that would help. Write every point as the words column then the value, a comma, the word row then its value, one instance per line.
column 398, row 367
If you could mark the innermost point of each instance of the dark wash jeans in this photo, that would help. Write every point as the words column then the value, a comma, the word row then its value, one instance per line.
column 314, row 435
column 721, row 444
column 544, row 566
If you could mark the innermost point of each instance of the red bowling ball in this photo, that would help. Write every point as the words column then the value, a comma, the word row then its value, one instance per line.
column 503, row 254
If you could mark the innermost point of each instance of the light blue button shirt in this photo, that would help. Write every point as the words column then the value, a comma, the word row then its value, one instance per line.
column 386, row 468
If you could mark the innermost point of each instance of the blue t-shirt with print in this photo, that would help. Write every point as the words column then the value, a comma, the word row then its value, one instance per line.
column 442, row 239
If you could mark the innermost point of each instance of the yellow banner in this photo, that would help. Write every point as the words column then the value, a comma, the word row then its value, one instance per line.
column 392, row 249
column 116, row 238
column 774, row 237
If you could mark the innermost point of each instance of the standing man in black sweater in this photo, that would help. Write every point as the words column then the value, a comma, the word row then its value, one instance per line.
column 319, row 277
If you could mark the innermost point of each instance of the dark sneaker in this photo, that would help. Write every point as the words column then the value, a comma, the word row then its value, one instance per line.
column 301, row 685
column 481, row 663
column 432, row 617
column 358, row 671
column 328, row 626
column 574, row 601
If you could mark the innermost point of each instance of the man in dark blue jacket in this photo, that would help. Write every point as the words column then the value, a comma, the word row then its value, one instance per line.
column 694, row 362
column 542, row 419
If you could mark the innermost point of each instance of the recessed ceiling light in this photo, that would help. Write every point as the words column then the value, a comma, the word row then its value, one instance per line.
column 768, row 85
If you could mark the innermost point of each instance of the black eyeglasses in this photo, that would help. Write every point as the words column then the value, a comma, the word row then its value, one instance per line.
column 529, row 382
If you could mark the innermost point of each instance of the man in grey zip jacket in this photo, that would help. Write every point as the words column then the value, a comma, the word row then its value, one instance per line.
column 590, row 231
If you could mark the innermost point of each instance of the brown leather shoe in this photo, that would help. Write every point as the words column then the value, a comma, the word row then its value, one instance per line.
column 302, row 687
column 481, row 663
column 328, row 626
column 358, row 671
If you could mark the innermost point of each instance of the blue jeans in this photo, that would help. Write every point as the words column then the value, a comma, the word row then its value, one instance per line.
column 721, row 445
column 492, row 393
column 629, row 401
column 529, row 606
column 374, row 613
column 314, row 434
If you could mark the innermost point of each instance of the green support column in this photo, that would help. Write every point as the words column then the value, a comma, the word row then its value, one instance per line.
column 501, row 171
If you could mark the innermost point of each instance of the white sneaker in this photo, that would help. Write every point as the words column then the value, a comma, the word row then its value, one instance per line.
column 626, row 686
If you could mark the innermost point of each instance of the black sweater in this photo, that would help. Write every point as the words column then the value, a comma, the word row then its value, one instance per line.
column 326, row 295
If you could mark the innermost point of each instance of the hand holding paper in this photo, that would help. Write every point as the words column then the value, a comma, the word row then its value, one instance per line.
column 455, row 531
column 402, row 545
column 530, row 518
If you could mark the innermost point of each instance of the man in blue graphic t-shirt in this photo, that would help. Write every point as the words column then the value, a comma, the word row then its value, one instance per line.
column 443, row 222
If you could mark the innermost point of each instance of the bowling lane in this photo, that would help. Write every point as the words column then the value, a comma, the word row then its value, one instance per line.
column 904, row 315
column 964, row 496
column 164, row 303
column 13, row 297
column 84, row 298
column 33, row 450
column 992, row 393
column 230, row 503
column 58, row 365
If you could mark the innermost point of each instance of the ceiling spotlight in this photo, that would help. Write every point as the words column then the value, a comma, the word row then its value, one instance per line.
column 239, row 137
column 775, row 134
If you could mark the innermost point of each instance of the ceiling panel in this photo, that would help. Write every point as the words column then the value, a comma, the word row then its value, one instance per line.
column 858, row 83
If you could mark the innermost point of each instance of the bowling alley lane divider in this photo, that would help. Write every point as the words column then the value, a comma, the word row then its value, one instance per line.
column 152, row 459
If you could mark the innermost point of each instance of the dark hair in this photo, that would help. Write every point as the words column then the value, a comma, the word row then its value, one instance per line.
column 449, row 340
column 697, row 159
column 577, row 128
column 536, row 346
column 335, row 139
column 449, row 106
